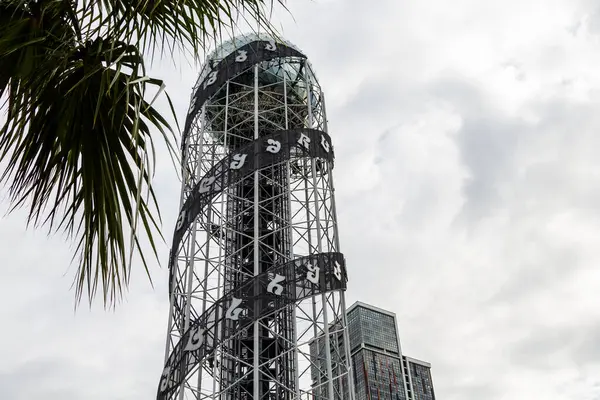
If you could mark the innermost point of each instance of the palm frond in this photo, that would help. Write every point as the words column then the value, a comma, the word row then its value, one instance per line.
column 78, row 137
column 172, row 24
column 79, row 147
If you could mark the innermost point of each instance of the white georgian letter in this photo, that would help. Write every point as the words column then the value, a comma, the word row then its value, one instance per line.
column 242, row 56
column 181, row 220
column 337, row 270
column 164, row 378
column 304, row 140
column 271, row 46
column 274, row 285
column 233, row 312
column 205, row 184
column 274, row 146
column 238, row 161
column 313, row 273
column 325, row 144
column 195, row 340
column 212, row 78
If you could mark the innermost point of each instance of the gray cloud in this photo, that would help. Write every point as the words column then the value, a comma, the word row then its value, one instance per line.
column 587, row 350
column 24, row 381
column 467, row 188
column 559, row 346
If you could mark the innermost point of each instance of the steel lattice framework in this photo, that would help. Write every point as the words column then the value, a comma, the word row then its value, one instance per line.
column 256, row 277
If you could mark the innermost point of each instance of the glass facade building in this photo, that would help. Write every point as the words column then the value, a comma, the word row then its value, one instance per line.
column 421, row 383
column 376, row 354
column 380, row 371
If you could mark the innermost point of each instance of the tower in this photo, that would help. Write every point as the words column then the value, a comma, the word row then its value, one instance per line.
column 255, row 268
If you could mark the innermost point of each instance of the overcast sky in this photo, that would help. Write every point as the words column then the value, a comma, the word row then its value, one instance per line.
column 468, row 196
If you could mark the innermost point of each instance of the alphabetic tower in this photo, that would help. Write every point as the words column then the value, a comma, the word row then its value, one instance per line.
column 256, row 277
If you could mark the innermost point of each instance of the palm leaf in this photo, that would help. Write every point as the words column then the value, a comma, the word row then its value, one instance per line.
column 86, row 138
column 78, row 137
column 171, row 24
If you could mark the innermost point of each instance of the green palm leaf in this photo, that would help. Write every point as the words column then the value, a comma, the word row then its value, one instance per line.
column 169, row 24
column 86, row 140
column 77, row 140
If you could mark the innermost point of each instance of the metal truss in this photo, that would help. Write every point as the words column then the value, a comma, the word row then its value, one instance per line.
column 257, row 302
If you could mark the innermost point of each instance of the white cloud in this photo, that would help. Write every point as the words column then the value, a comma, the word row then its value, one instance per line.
column 470, row 129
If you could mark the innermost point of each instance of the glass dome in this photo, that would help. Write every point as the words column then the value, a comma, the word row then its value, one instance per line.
column 227, row 47
column 301, row 84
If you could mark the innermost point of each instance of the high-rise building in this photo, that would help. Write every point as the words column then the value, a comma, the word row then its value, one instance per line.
column 419, row 382
column 380, row 370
